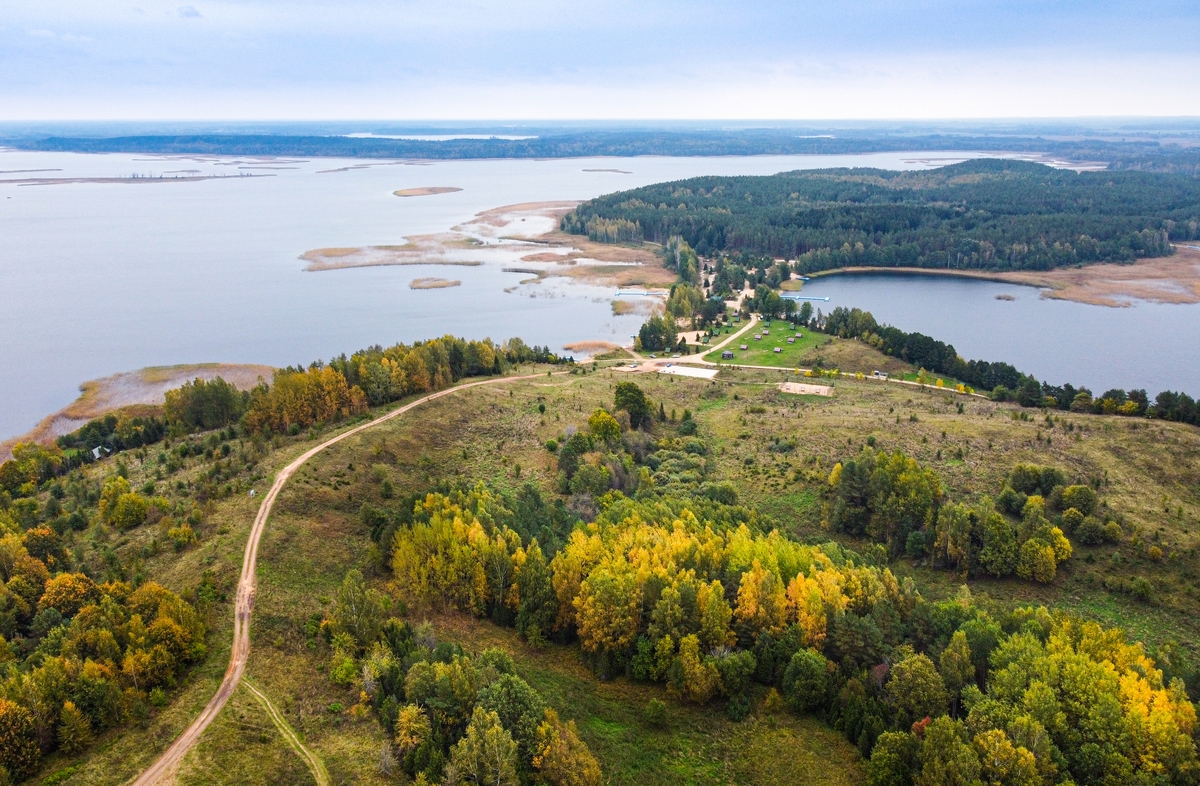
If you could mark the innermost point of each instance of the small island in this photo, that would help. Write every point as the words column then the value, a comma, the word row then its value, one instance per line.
column 426, row 191
column 433, row 283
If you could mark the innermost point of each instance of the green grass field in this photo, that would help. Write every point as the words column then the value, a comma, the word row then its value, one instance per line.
column 762, row 352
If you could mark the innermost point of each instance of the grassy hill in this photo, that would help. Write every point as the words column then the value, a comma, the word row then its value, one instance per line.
column 775, row 450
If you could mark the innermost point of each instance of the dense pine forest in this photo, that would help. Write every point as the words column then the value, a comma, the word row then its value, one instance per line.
column 982, row 215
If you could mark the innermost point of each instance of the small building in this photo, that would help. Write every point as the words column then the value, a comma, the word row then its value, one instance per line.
column 727, row 355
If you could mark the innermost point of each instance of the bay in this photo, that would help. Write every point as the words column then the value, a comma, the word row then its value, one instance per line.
column 1152, row 346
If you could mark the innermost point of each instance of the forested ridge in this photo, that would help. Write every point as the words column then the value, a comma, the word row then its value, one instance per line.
column 985, row 214
column 1148, row 154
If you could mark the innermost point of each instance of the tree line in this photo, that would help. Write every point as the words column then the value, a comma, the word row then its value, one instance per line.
column 1138, row 154
column 297, row 397
column 985, row 214
column 1003, row 380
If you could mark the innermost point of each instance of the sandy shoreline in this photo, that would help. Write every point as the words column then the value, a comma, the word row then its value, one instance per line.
column 522, row 238
column 147, row 387
column 1173, row 279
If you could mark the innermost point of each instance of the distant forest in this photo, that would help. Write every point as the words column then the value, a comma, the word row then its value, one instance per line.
column 985, row 214
column 1143, row 154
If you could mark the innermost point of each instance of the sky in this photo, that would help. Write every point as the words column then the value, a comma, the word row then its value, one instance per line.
column 601, row 59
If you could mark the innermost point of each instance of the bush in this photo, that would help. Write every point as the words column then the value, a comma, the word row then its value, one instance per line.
column 915, row 545
column 1037, row 562
column 1071, row 519
column 1082, row 498
column 738, row 708
column 1142, row 589
column 655, row 713
column 1112, row 532
column 1011, row 501
column 1089, row 532
column 806, row 681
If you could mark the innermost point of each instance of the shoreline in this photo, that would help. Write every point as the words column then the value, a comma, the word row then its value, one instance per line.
column 1166, row 280
column 522, row 238
column 145, row 387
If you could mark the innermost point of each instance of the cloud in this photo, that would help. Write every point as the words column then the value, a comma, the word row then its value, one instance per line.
column 625, row 58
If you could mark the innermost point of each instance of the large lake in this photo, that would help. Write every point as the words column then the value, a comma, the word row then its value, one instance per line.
column 97, row 278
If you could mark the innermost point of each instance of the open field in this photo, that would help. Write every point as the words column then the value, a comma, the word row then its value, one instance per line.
column 762, row 352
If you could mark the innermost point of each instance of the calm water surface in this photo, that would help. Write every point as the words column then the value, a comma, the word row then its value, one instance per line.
column 1147, row 345
column 98, row 278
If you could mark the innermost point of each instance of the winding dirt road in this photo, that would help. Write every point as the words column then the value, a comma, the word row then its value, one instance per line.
column 163, row 770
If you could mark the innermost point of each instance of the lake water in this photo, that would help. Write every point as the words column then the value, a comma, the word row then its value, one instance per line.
column 97, row 278
column 1147, row 345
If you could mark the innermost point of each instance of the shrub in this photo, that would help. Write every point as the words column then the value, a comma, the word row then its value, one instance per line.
column 1082, row 498
column 1011, row 501
column 738, row 708
column 915, row 545
column 1090, row 531
column 1071, row 519
column 655, row 713
column 1037, row 562
column 1142, row 589
column 1112, row 532
column 806, row 681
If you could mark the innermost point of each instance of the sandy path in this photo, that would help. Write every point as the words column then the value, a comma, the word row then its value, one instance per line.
column 315, row 765
column 163, row 770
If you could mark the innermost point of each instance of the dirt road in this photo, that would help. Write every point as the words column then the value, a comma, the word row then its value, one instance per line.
column 163, row 770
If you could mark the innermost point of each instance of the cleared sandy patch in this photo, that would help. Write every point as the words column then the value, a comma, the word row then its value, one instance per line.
column 804, row 389
column 690, row 371
column 433, row 283
column 146, row 387
column 426, row 191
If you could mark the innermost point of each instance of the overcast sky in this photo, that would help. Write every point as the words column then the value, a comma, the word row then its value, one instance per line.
column 601, row 59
